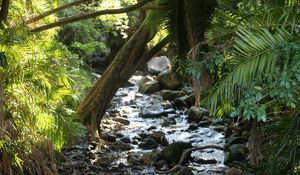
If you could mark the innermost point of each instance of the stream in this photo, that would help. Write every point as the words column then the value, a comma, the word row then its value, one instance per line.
column 132, row 118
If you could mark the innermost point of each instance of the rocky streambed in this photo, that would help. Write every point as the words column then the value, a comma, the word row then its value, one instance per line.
column 143, row 132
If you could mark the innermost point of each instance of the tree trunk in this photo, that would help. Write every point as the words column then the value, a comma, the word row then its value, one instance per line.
column 4, row 10
column 194, row 21
column 2, row 111
column 126, row 62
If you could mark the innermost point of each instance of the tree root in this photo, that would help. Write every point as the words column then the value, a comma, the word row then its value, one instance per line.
column 184, row 157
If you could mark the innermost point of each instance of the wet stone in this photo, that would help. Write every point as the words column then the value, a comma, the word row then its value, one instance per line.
column 184, row 171
column 151, row 128
column 159, row 137
column 122, row 120
column 126, row 139
column 206, row 161
column 148, row 143
column 109, row 137
column 173, row 152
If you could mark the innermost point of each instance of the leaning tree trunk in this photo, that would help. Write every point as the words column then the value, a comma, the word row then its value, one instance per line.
column 4, row 10
column 197, row 21
column 126, row 62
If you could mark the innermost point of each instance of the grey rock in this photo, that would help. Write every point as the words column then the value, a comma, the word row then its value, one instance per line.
column 185, row 101
column 102, row 161
column 237, row 152
column 171, row 95
column 122, row 120
column 148, row 143
column 150, row 158
column 150, row 87
column 235, row 140
column 197, row 113
column 158, row 64
column 159, row 137
column 234, row 171
column 109, row 137
column 185, row 171
column 168, row 121
column 173, row 152
column 204, row 123
column 155, row 111
column 206, row 161
column 126, row 139
column 218, row 128
column 168, row 80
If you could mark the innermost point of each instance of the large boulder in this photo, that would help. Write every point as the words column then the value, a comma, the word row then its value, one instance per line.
column 173, row 152
column 171, row 95
column 168, row 80
column 197, row 113
column 237, row 152
column 158, row 64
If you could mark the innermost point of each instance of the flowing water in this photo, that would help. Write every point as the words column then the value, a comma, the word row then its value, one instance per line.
column 113, row 157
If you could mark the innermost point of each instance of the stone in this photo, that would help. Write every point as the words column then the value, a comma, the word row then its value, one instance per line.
column 168, row 80
column 102, row 161
column 173, row 152
column 218, row 128
column 151, row 128
column 122, row 120
column 193, row 126
column 158, row 64
column 125, row 139
column 153, row 111
column 237, row 152
column 185, row 101
column 120, row 146
column 159, row 137
column 148, row 143
column 184, row 171
column 206, row 161
column 197, row 113
column 150, row 157
column 204, row 123
column 134, row 159
column 109, row 137
column 234, row 171
column 235, row 140
column 171, row 95
column 145, row 80
column 168, row 121
column 150, row 87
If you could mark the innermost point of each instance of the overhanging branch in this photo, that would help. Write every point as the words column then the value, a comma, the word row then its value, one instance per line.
column 88, row 15
column 43, row 15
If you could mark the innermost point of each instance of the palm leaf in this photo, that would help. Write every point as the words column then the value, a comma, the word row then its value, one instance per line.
column 253, row 54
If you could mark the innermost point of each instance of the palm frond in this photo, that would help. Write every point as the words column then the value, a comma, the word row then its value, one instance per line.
column 254, row 53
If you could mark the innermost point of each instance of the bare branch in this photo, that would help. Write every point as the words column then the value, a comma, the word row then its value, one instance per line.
column 88, row 15
column 43, row 15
